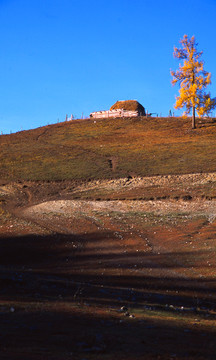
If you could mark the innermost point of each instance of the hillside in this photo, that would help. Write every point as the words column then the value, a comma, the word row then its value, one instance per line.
column 106, row 240
column 110, row 148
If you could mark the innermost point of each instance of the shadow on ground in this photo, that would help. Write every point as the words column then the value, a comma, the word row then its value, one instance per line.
column 60, row 302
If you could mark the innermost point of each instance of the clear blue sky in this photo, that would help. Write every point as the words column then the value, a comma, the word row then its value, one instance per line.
column 61, row 57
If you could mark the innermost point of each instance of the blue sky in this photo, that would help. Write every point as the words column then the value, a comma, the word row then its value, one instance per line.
column 61, row 57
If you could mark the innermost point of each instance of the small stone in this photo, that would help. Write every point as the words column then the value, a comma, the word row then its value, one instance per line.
column 124, row 308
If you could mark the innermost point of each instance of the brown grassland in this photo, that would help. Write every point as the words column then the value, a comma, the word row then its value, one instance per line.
column 92, row 150
column 107, row 241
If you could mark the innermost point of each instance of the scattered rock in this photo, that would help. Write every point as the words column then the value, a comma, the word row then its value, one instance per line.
column 124, row 309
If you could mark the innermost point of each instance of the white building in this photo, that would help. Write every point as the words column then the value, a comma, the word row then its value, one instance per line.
column 122, row 108
column 114, row 113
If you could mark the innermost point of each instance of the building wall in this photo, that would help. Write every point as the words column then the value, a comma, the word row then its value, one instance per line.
column 114, row 114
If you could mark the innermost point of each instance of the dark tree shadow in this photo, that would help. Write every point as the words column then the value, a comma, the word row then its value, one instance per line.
column 60, row 302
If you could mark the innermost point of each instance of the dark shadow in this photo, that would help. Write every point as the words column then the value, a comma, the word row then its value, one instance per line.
column 79, row 333
column 64, row 302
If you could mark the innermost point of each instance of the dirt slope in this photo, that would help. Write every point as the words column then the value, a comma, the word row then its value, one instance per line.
column 131, row 275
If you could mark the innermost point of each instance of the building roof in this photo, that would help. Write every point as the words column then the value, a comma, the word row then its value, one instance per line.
column 131, row 105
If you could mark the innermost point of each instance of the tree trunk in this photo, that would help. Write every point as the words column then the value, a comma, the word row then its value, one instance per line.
column 193, row 119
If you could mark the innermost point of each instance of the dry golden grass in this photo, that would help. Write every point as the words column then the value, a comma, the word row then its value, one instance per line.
column 109, row 148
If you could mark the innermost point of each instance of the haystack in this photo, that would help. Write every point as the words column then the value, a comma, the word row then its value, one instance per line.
column 129, row 105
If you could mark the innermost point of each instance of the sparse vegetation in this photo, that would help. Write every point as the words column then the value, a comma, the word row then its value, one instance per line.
column 83, row 149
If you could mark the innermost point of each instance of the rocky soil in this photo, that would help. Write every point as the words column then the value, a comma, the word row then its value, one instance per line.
column 114, row 269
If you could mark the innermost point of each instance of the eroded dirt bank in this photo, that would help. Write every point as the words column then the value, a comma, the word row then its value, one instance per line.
column 185, row 187
column 69, row 208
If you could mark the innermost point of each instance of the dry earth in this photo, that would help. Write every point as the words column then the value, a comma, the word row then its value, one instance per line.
column 130, row 275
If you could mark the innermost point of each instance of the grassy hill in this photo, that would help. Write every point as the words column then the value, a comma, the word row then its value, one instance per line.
column 110, row 148
column 131, row 259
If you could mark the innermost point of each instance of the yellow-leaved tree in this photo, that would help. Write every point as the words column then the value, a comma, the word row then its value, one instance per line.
column 193, row 80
